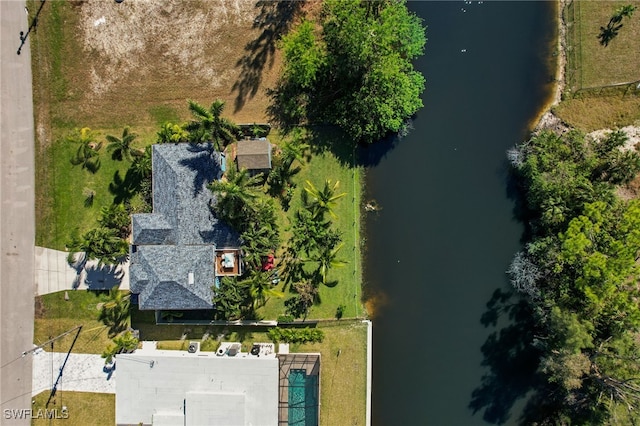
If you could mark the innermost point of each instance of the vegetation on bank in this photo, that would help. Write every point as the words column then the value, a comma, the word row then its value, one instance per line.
column 353, row 68
column 579, row 272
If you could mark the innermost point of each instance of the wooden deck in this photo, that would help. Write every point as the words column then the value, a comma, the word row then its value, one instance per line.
column 235, row 270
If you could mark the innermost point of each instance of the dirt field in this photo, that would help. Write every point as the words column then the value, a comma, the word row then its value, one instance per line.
column 136, row 62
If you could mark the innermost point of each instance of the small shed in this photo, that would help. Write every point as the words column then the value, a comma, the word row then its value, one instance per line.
column 254, row 155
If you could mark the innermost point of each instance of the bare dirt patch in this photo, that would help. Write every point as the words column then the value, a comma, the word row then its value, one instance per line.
column 133, row 56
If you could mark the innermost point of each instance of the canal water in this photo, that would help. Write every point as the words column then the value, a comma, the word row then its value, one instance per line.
column 438, row 248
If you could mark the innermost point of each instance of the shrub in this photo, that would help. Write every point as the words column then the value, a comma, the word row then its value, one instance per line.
column 296, row 335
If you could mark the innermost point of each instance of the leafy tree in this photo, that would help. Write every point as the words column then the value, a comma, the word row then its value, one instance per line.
column 210, row 126
column 86, row 155
column 580, row 273
column 121, row 148
column 322, row 201
column 115, row 311
column 359, row 73
column 307, row 295
column 304, row 55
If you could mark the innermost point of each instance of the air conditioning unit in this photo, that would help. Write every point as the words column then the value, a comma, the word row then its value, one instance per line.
column 194, row 347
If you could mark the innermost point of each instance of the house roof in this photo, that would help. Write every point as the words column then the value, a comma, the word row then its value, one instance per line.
column 173, row 277
column 200, row 388
column 181, row 234
column 254, row 154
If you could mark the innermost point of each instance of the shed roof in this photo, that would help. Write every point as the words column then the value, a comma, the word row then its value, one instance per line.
column 254, row 154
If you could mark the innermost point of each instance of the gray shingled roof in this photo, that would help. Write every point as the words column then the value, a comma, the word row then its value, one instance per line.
column 181, row 234
column 254, row 154
column 160, row 276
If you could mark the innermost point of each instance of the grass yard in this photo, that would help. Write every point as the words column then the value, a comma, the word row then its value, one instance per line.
column 606, row 112
column 325, row 164
column 598, row 65
column 54, row 316
column 81, row 406
column 590, row 66
column 343, row 378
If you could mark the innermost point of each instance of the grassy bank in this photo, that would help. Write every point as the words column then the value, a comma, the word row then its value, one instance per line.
column 594, row 97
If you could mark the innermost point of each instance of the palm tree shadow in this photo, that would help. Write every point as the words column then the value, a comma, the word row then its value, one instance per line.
column 204, row 164
column 123, row 189
column 510, row 357
column 103, row 277
column 274, row 20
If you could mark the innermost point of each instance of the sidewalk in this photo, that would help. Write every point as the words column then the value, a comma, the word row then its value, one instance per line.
column 82, row 373
column 53, row 273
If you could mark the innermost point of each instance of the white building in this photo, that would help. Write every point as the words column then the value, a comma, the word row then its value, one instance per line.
column 202, row 388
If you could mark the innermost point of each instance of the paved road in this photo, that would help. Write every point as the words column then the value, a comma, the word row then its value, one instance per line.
column 17, row 213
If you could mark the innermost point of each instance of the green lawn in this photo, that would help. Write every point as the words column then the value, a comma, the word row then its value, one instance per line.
column 594, row 64
column 83, row 408
column 62, row 188
column 55, row 315
column 590, row 66
column 324, row 164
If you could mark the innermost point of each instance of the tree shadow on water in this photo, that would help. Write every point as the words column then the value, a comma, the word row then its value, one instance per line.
column 509, row 356
column 274, row 20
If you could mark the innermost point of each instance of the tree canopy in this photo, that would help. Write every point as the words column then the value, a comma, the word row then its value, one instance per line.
column 580, row 272
column 356, row 70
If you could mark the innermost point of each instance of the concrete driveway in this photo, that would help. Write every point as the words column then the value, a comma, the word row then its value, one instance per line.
column 53, row 273
column 82, row 373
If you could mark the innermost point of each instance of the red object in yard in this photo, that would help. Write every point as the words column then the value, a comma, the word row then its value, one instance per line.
column 267, row 264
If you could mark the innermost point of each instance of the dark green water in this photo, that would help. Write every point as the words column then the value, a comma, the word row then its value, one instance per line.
column 446, row 233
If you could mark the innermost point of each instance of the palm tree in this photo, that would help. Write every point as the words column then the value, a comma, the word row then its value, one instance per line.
column 172, row 133
column 142, row 164
column 322, row 201
column 125, row 342
column 115, row 216
column 625, row 11
column 121, row 148
column 102, row 244
column 260, row 288
column 236, row 195
column 87, row 154
column 327, row 259
column 228, row 299
column 210, row 126
column 294, row 149
column 115, row 311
